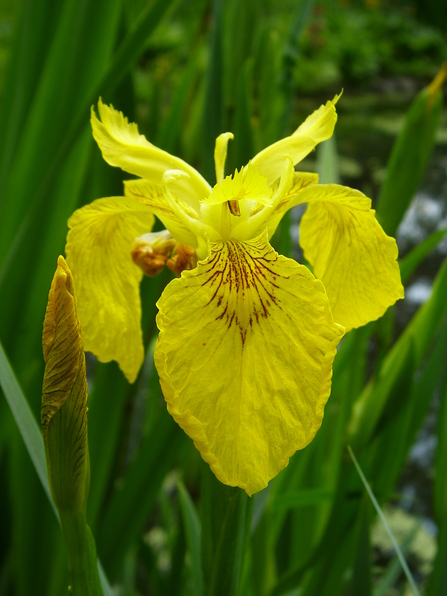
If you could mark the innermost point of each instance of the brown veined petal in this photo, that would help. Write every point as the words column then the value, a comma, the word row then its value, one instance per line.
column 99, row 245
column 245, row 357
column 350, row 253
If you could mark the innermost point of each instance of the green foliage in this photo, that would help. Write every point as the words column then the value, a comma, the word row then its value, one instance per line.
column 392, row 43
column 161, row 521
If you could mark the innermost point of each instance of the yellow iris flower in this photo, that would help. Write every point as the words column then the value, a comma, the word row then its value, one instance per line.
column 247, row 336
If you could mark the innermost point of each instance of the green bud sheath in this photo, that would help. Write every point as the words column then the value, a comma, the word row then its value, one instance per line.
column 64, row 427
column 64, row 396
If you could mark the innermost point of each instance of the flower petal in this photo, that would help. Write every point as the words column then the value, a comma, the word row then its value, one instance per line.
column 220, row 154
column 301, row 180
column 350, row 253
column 152, row 196
column 98, row 250
column 244, row 356
column 122, row 146
column 318, row 127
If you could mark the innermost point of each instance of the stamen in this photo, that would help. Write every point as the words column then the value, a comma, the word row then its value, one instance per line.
column 234, row 207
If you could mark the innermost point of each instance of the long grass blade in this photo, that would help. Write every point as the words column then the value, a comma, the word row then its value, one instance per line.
column 385, row 525
column 25, row 420
column 32, row 437
column 192, row 530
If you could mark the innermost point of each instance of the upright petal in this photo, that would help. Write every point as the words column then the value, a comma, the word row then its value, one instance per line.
column 318, row 127
column 244, row 356
column 122, row 146
column 98, row 249
column 350, row 253
column 220, row 154
column 301, row 180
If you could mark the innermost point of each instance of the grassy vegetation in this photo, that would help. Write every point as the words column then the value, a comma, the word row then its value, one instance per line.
column 185, row 72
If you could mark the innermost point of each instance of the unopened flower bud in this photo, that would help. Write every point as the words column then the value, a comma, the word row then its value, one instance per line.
column 183, row 258
column 151, row 251
column 64, row 396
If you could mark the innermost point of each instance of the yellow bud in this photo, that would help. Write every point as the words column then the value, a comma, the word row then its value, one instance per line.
column 64, row 396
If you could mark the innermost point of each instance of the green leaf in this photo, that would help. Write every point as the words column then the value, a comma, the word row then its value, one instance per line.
column 301, row 498
column 410, row 155
column 192, row 531
column 213, row 109
column 404, row 357
column 413, row 259
column 438, row 579
column 361, row 581
column 243, row 144
column 393, row 571
column 393, row 383
column 225, row 513
column 25, row 421
column 385, row 525
column 31, row 436
column 130, row 505
column 327, row 162
column 241, row 21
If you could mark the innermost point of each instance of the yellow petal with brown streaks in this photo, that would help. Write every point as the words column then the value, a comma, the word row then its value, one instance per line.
column 245, row 357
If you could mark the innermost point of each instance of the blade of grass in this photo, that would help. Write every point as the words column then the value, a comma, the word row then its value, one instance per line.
column 225, row 514
column 389, row 578
column 385, row 525
column 413, row 259
column 127, row 53
column 361, row 580
column 213, row 108
column 25, row 420
column 409, row 159
column 192, row 530
column 31, row 436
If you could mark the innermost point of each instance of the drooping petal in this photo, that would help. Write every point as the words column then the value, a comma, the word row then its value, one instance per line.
column 122, row 146
column 244, row 356
column 98, row 249
column 350, row 253
column 317, row 127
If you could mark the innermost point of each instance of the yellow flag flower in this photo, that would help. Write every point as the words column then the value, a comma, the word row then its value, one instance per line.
column 247, row 336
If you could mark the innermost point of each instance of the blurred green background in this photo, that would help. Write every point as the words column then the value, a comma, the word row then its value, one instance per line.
column 186, row 71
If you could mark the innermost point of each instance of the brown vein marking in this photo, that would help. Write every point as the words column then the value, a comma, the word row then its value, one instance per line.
column 244, row 284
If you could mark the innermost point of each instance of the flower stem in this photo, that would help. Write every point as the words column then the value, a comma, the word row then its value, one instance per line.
column 81, row 555
column 226, row 516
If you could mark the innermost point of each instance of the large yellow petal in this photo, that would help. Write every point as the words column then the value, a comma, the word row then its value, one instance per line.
column 350, row 253
column 98, row 249
column 122, row 146
column 318, row 127
column 244, row 356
